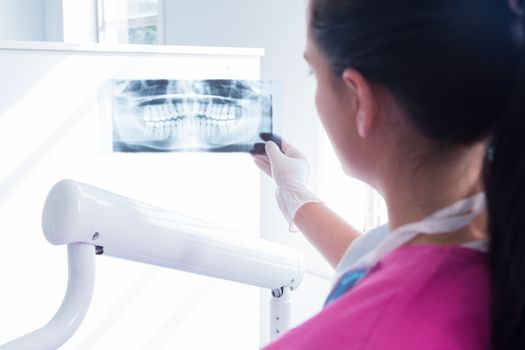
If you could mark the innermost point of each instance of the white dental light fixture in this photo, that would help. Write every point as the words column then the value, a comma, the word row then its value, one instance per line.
column 94, row 221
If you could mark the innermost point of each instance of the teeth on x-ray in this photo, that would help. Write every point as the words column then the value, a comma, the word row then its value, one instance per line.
column 178, row 115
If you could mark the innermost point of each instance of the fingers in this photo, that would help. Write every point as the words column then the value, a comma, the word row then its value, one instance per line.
column 291, row 151
column 263, row 165
column 267, row 136
column 285, row 146
column 262, row 158
column 273, row 151
column 257, row 148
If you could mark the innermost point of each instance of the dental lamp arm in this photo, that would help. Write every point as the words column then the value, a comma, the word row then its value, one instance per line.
column 91, row 220
column 129, row 229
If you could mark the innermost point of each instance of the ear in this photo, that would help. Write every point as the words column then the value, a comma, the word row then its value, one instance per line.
column 366, row 101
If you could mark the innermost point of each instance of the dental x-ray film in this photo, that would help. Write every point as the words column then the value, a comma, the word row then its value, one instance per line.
column 191, row 115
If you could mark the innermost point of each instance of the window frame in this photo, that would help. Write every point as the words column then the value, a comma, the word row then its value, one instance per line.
column 149, row 19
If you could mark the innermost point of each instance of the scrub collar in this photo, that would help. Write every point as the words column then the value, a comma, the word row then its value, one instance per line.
column 449, row 219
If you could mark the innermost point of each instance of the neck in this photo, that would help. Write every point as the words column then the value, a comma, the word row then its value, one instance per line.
column 415, row 192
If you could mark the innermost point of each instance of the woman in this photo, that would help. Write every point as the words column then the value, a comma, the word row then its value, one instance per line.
column 424, row 101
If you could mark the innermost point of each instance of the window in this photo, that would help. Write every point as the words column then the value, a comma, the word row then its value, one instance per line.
column 128, row 21
column 352, row 199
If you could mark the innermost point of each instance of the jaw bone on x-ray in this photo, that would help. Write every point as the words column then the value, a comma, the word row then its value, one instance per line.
column 190, row 115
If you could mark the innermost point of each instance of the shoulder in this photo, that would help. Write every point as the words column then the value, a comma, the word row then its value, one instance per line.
column 360, row 246
column 417, row 298
column 441, row 301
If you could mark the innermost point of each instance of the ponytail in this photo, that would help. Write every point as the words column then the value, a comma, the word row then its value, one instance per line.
column 505, row 190
column 452, row 66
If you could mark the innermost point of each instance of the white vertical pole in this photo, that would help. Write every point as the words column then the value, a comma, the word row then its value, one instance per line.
column 280, row 312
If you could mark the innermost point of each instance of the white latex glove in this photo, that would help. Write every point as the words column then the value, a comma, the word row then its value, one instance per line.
column 290, row 172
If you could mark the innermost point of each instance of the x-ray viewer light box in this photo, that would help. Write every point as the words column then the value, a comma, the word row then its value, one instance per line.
column 161, row 115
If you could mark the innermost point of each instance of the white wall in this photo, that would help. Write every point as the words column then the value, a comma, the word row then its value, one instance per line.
column 79, row 19
column 50, row 129
column 72, row 21
column 22, row 20
column 280, row 28
column 54, row 20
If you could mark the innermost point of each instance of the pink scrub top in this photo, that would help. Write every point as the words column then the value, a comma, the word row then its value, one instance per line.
column 417, row 297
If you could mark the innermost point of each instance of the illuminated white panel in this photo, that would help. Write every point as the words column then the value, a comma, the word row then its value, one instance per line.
column 50, row 130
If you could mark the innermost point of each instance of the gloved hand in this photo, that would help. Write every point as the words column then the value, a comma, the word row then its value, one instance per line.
column 290, row 172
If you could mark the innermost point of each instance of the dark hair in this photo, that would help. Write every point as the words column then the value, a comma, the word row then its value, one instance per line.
column 455, row 67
